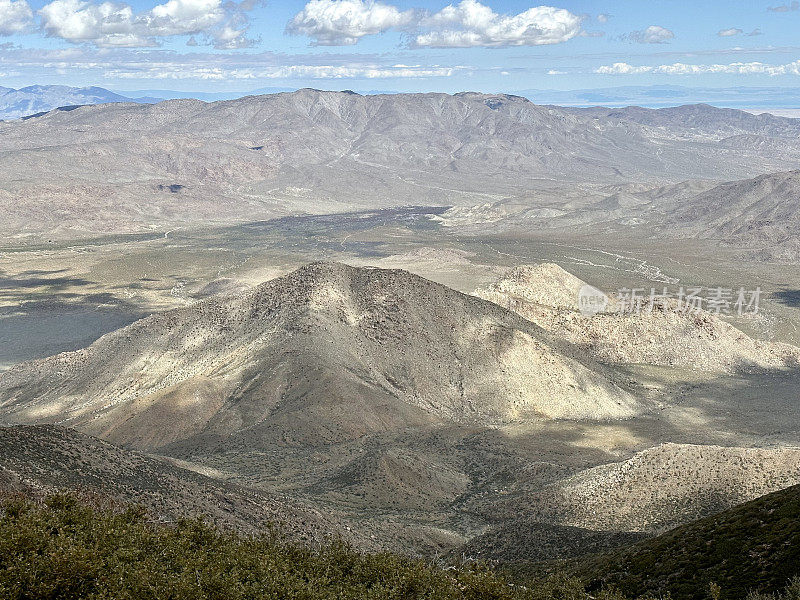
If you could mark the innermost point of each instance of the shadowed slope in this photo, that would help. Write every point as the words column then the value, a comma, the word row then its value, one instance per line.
column 327, row 353
column 43, row 459
column 755, row 546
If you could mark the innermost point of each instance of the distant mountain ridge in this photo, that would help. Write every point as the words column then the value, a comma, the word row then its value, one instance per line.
column 694, row 119
column 760, row 215
column 262, row 157
column 656, row 96
column 36, row 99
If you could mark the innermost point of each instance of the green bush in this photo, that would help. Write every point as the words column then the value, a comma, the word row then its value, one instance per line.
column 66, row 549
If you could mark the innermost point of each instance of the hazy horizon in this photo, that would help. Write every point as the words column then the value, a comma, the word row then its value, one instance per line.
column 783, row 100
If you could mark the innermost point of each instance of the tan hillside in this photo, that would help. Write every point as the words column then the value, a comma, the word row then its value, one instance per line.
column 396, row 478
column 546, row 283
column 328, row 352
column 547, row 295
column 665, row 486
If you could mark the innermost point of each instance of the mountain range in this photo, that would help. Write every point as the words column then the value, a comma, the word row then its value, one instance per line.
column 36, row 100
column 132, row 167
column 359, row 316
column 661, row 96
column 757, row 214
column 773, row 99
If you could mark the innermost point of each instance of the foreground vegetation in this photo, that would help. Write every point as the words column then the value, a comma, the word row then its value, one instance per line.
column 64, row 548
column 754, row 546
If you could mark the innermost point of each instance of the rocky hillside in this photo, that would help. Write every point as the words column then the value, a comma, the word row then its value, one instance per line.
column 327, row 353
column 547, row 295
column 667, row 485
column 187, row 161
column 755, row 546
column 613, row 504
column 761, row 213
column 39, row 460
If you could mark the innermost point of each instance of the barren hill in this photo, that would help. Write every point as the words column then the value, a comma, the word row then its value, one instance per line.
column 758, row 214
column 328, row 352
column 667, row 485
column 42, row 459
column 693, row 119
column 763, row 212
column 400, row 478
column 131, row 167
column 547, row 295
column 613, row 504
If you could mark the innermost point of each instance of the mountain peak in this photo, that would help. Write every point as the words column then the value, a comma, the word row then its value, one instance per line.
column 346, row 342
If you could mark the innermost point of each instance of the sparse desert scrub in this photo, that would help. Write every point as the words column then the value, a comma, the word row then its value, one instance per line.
column 62, row 548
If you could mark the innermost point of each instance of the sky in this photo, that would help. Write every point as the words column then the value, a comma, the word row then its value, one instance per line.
column 403, row 45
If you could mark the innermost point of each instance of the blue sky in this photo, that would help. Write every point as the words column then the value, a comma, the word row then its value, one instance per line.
column 407, row 45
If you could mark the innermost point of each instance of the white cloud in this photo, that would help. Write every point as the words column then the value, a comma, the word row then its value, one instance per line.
column 556, row 72
column 344, row 22
column 466, row 24
column 729, row 32
column 371, row 72
column 177, row 17
column 621, row 68
column 112, row 24
column 15, row 16
column 738, row 68
column 654, row 34
column 603, row 17
column 106, row 24
column 470, row 23
column 302, row 72
column 232, row 33
column 228, row 37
